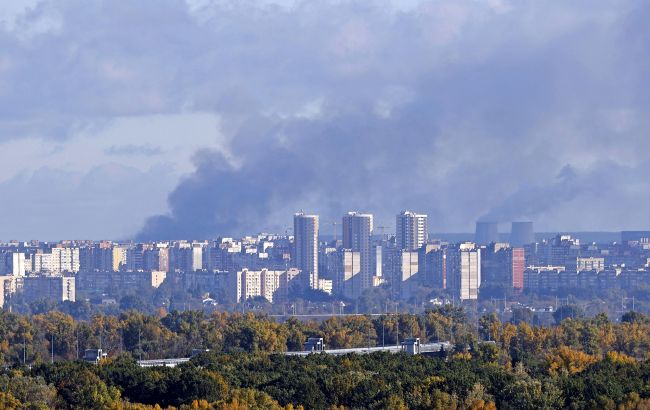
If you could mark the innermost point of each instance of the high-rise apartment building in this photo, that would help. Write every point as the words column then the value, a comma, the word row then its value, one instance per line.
column 8, row 286
column 103, row 256
column 43, row 262
column 357, row 236
column 56, row 288
column 410, row 230
column 65, row 260
column 135, row 257
column 502, row 267
column 305, row 230
column 349, row 283
column 99, row 282
column 86, row 258
column 406, row 280
column 197, row 256
column 18, row 264
column 163, row 257
column 517, row 263
column 464, row 267
column 187, row 256
column 433, row 264
column 119, row 257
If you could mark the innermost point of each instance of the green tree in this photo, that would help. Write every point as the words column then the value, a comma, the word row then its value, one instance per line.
column 567, row 312
column 635, row 317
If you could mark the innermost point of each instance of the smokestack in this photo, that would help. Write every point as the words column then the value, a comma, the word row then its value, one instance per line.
column 522, row 234
column 486, row 233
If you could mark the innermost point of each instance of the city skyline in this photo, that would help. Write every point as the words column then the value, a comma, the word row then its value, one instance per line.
column 326, row 233
column 332, row 204
column 278, row 268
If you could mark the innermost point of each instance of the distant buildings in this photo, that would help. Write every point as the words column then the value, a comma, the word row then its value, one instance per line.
column 433, row 259
column 516, row 262
column 55, row 288
column 635, row 236
column 278, row 268
column 589, row 263
column 8, row 286
column 65, row 260
column 120, row 253
column 410, row 230
column 502, row 267
column 18, row 264
column 105, row 281
column 274, row 286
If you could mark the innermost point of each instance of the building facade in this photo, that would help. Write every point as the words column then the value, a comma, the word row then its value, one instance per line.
column 305, row 230
column 357, row 237
column 410, row 230
column 57, row 288
column 464, row 265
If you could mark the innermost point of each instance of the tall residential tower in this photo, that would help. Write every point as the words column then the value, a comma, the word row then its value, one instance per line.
column 410, row 230
column 357, row 233
column 305, row 230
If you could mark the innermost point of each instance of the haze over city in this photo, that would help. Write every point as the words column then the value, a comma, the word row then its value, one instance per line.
column 191, row 119
column 324, row 204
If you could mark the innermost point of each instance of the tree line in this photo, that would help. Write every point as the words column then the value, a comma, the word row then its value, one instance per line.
column 580, row 363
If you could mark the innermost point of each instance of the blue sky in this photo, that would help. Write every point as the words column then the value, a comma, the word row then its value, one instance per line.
column 168, row 118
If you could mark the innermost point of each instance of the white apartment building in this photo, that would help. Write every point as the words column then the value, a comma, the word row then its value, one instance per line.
column 272, row 285
column 197, row 256
column 464, row 270
column 65, row 260
column 43, row 263
column 590, row 263
column 349, row 282
column 18, row 264
column 410, row 230
column 407, row 279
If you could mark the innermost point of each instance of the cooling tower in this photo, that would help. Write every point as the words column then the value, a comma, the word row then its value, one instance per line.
column 486, row 233
column 522, row 234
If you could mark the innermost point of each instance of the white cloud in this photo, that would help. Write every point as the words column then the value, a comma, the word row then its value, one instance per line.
column 177, row 136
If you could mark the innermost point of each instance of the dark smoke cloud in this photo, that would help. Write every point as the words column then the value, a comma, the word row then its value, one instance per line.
column 455, row 108
column 530, row 201
column 477, row 121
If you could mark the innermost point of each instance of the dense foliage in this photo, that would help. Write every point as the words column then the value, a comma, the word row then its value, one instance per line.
column 580, row 363
column 36, row 338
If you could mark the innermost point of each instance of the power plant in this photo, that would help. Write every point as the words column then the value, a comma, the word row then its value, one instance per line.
column 522, row 234
column 486, row 232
